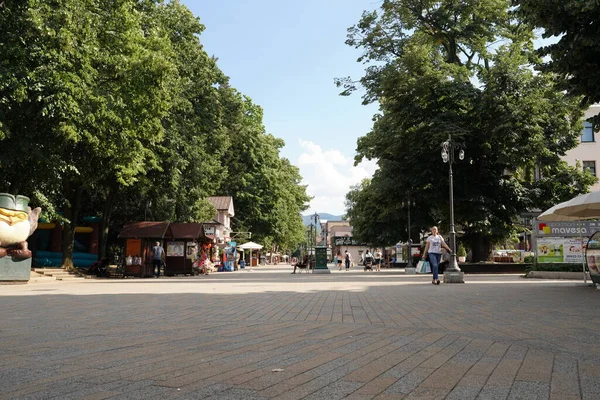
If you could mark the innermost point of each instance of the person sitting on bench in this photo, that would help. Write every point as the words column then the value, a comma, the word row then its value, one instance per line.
column 303, row 264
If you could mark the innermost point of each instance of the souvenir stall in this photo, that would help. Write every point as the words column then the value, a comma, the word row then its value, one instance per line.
column 140, row 237
column 229, row 256
column 182, row 245
column 251, row 261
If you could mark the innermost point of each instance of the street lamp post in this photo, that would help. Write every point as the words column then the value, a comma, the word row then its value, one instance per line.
column 453, row 274
column 409, row 263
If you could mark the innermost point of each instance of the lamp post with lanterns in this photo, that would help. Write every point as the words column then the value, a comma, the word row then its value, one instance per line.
column 452, row 274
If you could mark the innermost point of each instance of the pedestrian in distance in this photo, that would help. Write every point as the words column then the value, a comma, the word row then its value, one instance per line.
column 378, row 260
column 339, row 259
column 348, row 258
column 433, row 249
column 368, row 263
column 157, row 258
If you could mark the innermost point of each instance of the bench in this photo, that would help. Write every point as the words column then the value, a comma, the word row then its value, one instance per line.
column 302, row 267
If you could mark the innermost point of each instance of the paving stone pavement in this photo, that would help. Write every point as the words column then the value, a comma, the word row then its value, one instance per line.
column 267, row 334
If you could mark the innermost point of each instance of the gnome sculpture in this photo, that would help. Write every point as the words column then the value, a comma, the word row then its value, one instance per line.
column 17, row 223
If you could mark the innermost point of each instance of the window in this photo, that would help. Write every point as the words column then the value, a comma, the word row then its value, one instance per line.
column 590, row 166
column 588, row 132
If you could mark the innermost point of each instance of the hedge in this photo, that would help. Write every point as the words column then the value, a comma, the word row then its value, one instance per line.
column 556, row 267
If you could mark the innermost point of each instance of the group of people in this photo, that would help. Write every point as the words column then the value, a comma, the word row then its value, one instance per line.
column 367, row 259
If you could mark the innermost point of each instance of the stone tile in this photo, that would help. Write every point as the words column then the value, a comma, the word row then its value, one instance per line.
column 336, row 390
column 529, row 390
column 590, row 385
column 222, row 335
column 463, row 393
column 493, row 393
column 422, row 393
column 536, row 367
column 409, row 382
column 376, row 386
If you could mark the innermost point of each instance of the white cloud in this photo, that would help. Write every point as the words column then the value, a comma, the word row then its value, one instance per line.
column 329, row 175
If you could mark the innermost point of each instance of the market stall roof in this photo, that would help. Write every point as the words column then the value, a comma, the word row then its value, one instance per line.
column 189, row 230
column 145, row 229
column 250, row 246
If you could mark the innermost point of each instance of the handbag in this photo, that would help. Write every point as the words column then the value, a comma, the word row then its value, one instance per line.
column 423, row 267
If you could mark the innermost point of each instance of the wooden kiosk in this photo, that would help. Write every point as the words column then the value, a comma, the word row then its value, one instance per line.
column 181, row 246
column 140, row 237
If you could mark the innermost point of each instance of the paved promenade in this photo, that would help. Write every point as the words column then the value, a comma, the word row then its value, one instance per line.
column 267, row 334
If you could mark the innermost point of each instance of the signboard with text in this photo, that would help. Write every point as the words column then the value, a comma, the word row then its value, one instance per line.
column 560, row 250
column 567, row 229
column 347, row 241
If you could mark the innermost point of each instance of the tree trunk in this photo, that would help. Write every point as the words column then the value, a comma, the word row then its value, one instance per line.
column 481, row 248
column 106, row 214
column 71, row 213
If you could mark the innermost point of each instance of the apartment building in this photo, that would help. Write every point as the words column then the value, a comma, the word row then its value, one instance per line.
column 587, row 154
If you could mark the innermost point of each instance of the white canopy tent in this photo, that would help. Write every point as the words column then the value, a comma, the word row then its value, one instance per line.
column 250, row 246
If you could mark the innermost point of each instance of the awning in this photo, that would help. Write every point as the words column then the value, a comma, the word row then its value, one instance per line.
column 189, row 230
column 144, row 230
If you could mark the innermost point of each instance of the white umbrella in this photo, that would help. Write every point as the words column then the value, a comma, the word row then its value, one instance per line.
column 551, row 215
column 583, row 206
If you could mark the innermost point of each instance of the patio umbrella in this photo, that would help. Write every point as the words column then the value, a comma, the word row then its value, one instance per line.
column 551, row 215
column 583, row 206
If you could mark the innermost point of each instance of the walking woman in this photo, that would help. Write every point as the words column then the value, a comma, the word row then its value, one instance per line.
column 433, row 248
column 338, row 260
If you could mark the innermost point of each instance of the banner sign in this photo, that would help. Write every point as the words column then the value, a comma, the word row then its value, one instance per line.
column 573, row 250
column 347, row 241
column 567, row 229
column 550, row 250
column 560, row 250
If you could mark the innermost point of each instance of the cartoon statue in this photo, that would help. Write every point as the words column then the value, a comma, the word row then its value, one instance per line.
column 17, row 223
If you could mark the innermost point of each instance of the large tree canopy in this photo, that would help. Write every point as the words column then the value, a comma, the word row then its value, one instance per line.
column 115, row 108
column 461, row 68
column 575, row 53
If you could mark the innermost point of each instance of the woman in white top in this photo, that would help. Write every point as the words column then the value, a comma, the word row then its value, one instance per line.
column 434, row 245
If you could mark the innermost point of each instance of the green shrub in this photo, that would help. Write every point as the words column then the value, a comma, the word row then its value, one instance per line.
column 461, row 251
column 528, row 259
column 557, row 267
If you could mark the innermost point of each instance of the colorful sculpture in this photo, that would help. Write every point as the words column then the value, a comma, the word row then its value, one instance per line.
column 17, row 223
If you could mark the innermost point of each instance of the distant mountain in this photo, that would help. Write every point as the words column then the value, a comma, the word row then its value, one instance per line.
column 310, row 219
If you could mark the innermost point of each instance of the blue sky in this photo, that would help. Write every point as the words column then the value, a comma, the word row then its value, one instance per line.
column 285, row 55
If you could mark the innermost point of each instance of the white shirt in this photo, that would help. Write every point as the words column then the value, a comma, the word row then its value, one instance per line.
column 435, row 244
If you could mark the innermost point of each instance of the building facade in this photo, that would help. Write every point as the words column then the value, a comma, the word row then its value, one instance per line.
column 220, row 226
column 587, row 153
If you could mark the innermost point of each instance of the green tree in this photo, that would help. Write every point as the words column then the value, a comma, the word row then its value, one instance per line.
column 93, row 85
column 573, row 24
column 462, row 69
column 266, row 189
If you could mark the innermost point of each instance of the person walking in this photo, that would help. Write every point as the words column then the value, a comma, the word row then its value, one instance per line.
column 378, row 260
column 348, row 258
column 433, row 248
column 339, row 260
column 368, row 263
column 157, row 258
